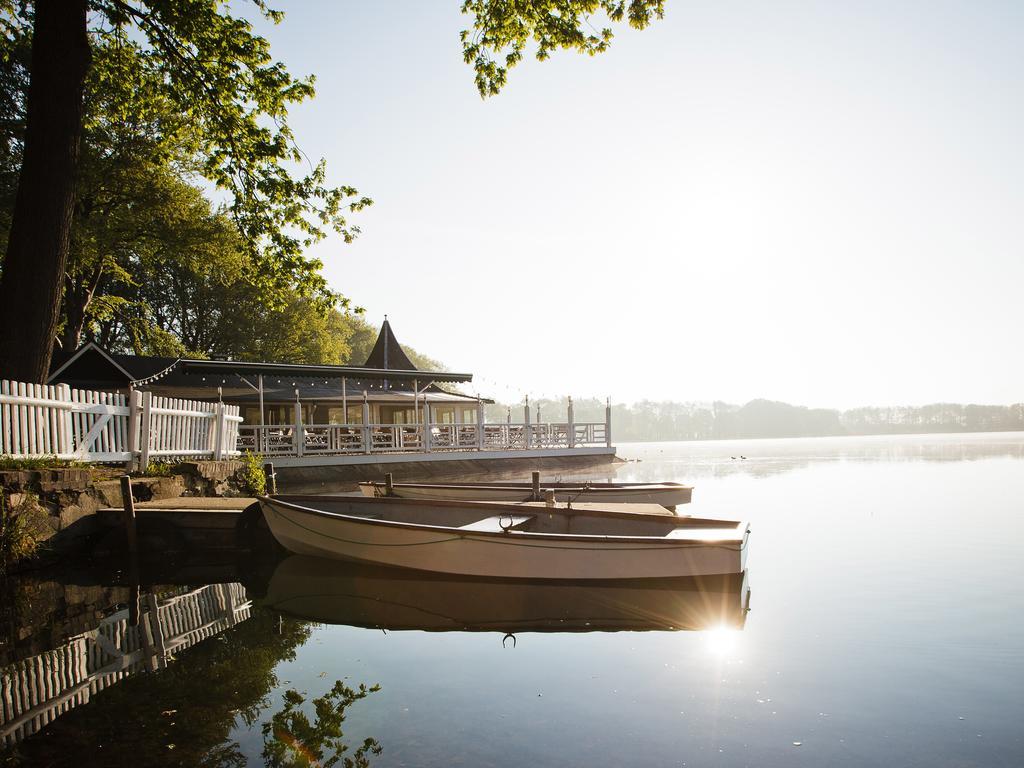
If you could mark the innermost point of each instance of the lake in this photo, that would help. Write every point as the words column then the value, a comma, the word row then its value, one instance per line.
column 885, row 629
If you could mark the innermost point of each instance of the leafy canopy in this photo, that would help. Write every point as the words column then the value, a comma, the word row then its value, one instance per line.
column 503, row 28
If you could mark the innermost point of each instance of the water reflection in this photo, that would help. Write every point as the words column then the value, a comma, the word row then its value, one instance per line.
column 334, row 592
column 37, row 689
column 179, row 688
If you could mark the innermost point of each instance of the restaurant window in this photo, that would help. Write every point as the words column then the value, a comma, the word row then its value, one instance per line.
column 397, row 414
column 442, row 414
column 336, row 415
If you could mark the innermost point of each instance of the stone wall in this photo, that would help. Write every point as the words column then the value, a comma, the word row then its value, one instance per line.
column 70, row 497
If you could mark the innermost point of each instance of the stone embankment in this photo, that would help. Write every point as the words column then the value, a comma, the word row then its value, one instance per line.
column 67, row 499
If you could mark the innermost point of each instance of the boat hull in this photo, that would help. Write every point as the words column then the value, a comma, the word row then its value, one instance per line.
column 510, row 554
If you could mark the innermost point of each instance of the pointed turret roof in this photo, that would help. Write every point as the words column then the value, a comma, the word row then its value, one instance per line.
column 387, row 353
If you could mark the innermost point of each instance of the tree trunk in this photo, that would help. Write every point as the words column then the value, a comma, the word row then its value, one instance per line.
column 37, row 248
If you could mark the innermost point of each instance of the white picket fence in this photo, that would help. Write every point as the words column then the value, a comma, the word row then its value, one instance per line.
column 85, row 425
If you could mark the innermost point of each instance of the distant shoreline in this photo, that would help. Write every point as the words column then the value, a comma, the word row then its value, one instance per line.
column 964, row 433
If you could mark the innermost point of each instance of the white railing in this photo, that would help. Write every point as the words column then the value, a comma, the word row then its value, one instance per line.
column 76, row 424
column 341, row 439
column 35, row 691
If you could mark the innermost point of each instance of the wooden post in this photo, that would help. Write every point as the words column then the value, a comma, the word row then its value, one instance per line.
column 268, row 472
column 389, row 484
column 427, row 435
column 344, row 400
column 157, row 630
column 571, row 426
column 219, row 431
column 299, row 435
column 526, row 424
column 608, row 423
column 261, row 441
column 535, row 482
column 479, row 424
column 367, row 429
column 144, row 429
column 129, row 515
column 134, row 416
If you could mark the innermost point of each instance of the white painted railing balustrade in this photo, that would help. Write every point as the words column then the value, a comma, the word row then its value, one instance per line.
column 341, row 439
column 85, row 425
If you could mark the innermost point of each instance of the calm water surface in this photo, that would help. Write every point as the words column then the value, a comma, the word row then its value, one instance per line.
column 885, row 630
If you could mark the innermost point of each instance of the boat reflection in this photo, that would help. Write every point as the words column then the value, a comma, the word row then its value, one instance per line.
column 335, row 592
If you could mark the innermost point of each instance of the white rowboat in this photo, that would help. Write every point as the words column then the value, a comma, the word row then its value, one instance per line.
column 538, row 541
column 666, row 494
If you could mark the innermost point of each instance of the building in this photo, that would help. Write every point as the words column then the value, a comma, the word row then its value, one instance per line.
column 329, row 415
column 269, row 393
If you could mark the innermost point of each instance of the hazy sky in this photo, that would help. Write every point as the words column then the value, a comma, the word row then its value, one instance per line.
column 821, row 203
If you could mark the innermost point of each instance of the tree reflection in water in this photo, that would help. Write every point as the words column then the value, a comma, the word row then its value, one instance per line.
column 290, row 740
column 185, row 715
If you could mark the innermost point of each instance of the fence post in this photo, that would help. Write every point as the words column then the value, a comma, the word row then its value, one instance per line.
column 479, row 424
column 526, row 424
column 608, row 423
column 144, row 430
column 134, row 414
column 129, row 514
column 367, row 429
column 299, row 434
column 64, row 441
column 219, row 432
column 426, row 426
column 572, row 426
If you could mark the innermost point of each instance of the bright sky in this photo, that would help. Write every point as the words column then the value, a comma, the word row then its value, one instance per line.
column 821, row 203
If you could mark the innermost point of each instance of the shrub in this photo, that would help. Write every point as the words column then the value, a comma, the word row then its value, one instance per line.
column 21, row 529
column 253, row 479
column 160, row 469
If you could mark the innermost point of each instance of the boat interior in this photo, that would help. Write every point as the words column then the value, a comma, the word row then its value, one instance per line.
column 648, row 520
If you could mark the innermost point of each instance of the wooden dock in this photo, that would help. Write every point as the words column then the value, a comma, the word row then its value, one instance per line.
column 186, row 511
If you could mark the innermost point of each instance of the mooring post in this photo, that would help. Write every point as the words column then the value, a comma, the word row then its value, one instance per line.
column 389, row 484
column 129, row 514
column 268, row 471
column 133, row 550
column 536, row 486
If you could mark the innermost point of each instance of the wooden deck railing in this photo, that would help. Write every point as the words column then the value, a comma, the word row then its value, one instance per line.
column 86, row 425
column 342, row 439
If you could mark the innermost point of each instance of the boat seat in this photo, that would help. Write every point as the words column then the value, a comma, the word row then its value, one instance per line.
column 494, row 524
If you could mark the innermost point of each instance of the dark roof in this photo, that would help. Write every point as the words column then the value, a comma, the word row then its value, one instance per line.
column 387, row 353
column 92, row 365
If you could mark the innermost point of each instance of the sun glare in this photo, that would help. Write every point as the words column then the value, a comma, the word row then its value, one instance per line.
column 722, row 641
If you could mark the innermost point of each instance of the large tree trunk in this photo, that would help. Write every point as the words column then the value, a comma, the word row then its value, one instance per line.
column 37, row 248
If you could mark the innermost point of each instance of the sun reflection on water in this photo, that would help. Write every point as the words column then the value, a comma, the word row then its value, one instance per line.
column 722, row 641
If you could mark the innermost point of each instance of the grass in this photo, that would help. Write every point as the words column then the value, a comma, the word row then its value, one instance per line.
column 37, row 462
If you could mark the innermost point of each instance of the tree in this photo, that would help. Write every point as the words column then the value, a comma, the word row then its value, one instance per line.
column 211, row 69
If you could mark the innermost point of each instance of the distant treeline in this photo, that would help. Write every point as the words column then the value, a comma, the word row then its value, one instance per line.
column 647, row 420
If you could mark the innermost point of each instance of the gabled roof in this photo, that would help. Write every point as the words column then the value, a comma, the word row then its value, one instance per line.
column 387, row 353
column 93, row 362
